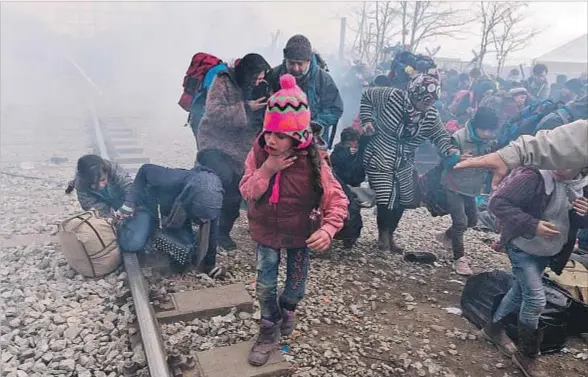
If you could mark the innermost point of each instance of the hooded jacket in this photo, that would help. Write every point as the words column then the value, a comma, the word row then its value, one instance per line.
column 324, row 99
column 108, row 200
column 158, row 185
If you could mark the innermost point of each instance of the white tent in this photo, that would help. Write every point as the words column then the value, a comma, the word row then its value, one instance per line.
column 570, row 59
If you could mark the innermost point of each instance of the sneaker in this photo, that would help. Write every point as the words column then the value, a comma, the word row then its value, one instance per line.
column 215, row 272
column 267, row 342
column 288, row 322
column 444, row 240
column 226, row 242
column 462, row 267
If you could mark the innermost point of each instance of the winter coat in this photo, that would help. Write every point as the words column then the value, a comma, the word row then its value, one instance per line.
column 161, row 186
column 287, row 224
column 226, row 125
column 390, row 153
column 346, row 165
column 519, row 204
column 539, row 89
column 468, row 182
column 567, row 114
column 324, row 99
column 108, row 200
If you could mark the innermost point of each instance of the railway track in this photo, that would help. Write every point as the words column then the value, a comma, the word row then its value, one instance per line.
column 150, row 336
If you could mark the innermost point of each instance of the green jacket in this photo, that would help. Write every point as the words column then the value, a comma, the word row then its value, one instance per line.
column 468, row 182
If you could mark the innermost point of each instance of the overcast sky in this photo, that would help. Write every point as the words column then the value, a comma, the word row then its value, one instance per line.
column 239, row 27
column 561, row 22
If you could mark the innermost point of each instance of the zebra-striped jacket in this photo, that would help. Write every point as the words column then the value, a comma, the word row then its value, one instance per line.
column 389, row 155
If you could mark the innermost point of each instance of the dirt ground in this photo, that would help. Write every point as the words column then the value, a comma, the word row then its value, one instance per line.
column 426, row 339
column 370, row 314
column 472, row 356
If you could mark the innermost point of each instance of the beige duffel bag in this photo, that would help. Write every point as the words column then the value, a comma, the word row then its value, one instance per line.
column 89, row 244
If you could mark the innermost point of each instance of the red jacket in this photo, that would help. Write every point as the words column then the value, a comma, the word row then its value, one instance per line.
column 287, row 224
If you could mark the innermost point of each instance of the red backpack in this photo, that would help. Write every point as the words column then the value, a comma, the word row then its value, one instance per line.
column 201, row 63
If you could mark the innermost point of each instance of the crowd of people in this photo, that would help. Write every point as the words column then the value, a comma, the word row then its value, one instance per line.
column 263, row 136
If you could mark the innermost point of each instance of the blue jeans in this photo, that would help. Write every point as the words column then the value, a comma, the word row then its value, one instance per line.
column 134, row 232
column 583, row 239
column 268, row 261
column 527, row 291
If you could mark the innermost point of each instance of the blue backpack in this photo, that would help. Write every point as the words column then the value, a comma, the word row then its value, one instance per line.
column 526, row 122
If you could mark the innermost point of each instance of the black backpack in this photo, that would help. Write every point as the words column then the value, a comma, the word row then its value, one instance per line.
column 419, row 63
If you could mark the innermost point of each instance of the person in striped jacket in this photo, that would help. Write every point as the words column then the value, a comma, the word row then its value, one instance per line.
column 399, row 122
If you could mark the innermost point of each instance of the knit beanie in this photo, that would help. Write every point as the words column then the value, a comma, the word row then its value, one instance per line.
column 485, row 119
column 287, row 112
column 298, row 48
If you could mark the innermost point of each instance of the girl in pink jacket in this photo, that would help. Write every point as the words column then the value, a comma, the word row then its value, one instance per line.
column 295, row 203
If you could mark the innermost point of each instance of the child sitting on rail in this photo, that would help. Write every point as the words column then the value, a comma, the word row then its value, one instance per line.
column 104, row 186
column 288, row 186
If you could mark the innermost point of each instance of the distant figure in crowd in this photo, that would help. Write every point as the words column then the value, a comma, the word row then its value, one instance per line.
column 537, row 84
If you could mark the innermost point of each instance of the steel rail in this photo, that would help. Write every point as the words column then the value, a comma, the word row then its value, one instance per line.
column 148, row 326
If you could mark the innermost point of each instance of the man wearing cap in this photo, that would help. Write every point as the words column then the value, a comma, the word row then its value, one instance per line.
column 326, row 105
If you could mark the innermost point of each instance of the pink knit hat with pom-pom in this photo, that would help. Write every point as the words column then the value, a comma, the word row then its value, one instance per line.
column 287, row 112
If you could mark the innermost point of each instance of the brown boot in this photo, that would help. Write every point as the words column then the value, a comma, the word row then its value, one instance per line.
column 393, row 247
column 495, row 334
column 528, row 350
column 267, row 342
column 384, row 240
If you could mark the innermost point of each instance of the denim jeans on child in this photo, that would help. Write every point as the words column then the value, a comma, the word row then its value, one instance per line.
column 464, row 215
column 268, row 261
column 527, row 291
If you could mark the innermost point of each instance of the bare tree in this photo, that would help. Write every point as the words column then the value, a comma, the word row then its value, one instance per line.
column 423, row 20
column 374, row 30
column 491, row 14
column 511, row 35
column 383, row 18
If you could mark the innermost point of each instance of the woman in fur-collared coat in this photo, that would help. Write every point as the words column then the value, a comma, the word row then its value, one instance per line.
column 233, row 117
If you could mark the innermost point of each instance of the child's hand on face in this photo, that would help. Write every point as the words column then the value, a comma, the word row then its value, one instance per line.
column 581, row 206
column 274, row 164
column 319, row 241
